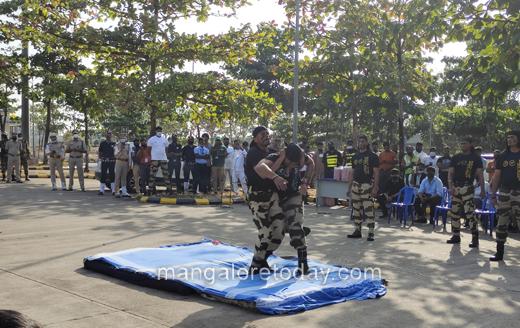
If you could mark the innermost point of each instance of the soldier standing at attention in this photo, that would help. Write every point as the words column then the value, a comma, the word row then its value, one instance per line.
column 123, row 154
column 264, row 201
column 76, row 148
column 507, row 181
column 25, row 155
column 463, row 167
column 14, row 149
column 56, row 155
column 108, row 162
column 362, row 183
column 3, row 153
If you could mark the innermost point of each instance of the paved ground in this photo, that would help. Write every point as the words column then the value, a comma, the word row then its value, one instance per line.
column 47, row 234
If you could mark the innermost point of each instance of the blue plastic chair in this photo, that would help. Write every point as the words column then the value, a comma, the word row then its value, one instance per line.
column 487, row 211
column 405, row 201
column 442, row 209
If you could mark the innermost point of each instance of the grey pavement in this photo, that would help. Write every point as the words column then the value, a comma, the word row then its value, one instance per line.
column 46, row 234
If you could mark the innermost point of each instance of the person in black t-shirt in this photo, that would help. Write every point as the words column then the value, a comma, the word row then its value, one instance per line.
column 331, row 159
column 507, row 182
column 264, row 203
column 463, row 168
column 108, row 162
column 287, row 164
column 188, row 154
column 363, row 181
column 174, row 161
column 390, row 191
column 443, row 163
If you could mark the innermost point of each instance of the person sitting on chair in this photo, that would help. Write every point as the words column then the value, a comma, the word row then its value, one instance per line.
column 390, row 192
column 430, row 192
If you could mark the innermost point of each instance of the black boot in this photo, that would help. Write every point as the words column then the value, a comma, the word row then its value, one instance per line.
column 303, row 267
column 499, row 255
column 474, row 240
column 356, row 234
column 455, row 239
column 306, row 231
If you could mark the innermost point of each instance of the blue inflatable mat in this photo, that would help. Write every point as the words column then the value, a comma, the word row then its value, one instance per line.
column 219, row 270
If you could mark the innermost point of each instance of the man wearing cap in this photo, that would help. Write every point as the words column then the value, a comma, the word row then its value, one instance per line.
column 507, row 182
column 157, row 148
column 287, row 164
column 264, row 201
column 174, row 161
column 430, row 192
column 348, row 152
column 106, row 154
column 76, row 148
column 14, row 149
column 389, row 191
column 123, row 153
column 463, row 168
column 362, row 184
column 3, row 154
column 218, row 155
column 25, row 155
column 56, row 155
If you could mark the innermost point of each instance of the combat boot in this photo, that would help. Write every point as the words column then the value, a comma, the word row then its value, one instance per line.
column 303, row 266
column 474, row 240
column 455, row 239
column 356, row 234
column 499, row 255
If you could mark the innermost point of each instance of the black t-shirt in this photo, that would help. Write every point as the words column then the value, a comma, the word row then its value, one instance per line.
column 175, row 149
column 393, row 188
column 465, row 167
column 509, row 165
column 254, row 156
column 332, row 159
column 292, row 176
column 106, row 149
column 188, row 153
column 363, row 165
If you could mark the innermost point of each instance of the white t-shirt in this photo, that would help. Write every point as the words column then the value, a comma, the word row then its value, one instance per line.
column 158, row 148
column 228, row 164
column 422, row 155
column 238, row 158
column 433, row 161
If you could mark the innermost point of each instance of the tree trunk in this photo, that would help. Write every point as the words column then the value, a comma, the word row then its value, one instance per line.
column 327, row 124
column 400, row 91
column 48, row 104
column 355, row 119
column 153, row 65
column 87, row 139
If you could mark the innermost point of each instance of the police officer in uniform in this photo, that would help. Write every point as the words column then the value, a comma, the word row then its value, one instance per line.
column 14, row 149
column 264, row 202
column 362, row 184
column 123, row 153
column 3, row 154
column 76, row 148
column 106, row 155
column 463, row 168
column 287, row 164
column 56, row 155
column 25, row 155
column 507, row 181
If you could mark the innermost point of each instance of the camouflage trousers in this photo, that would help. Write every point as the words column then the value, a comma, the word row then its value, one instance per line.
column 269, row 220
column 23, row 161
column 463, row 198
column 4, row 163
column 361, row 200
column 292, row 208
column 153, row 173
column 508, row 203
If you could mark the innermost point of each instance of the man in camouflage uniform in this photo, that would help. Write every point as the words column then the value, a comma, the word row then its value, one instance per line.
column 25, row 155
column 3, row 153
column 264, row 202
column 507, row 181
column 363, row 181
column 287, row 164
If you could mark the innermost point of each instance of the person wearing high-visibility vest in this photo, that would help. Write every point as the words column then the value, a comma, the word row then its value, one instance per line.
column 409, row 161
column 348, row 153
column 331, row 159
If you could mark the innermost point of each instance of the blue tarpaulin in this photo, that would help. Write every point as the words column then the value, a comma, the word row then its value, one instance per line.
column 218, row 269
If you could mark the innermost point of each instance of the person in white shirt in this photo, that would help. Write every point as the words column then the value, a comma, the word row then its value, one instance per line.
column 432, row 160
column 228, row 164
column 157, row 148
column 238, row 158
column 419, row 151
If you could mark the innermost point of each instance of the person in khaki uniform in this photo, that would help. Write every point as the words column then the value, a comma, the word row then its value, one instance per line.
column 14, row 148
column 56, row 155
column 123, row 155
column 25, row 155
column 76, row 148
column 3, row 153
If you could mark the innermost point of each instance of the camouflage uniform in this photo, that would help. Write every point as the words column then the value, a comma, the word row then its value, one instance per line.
column 25, row 154
column 361, row 200
column 508, row 203
column 292, row 208
column 463, row 198
column 3, row 154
